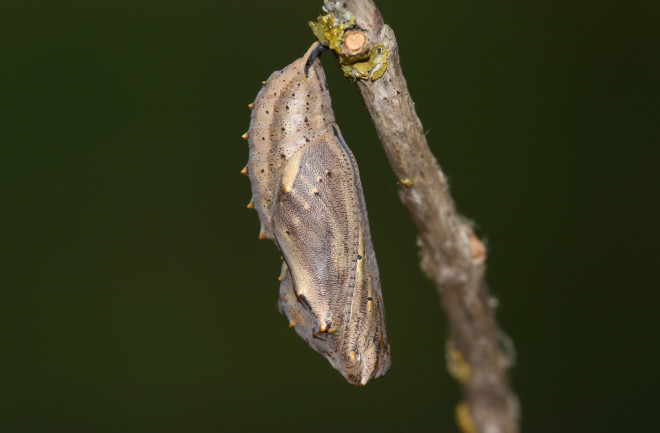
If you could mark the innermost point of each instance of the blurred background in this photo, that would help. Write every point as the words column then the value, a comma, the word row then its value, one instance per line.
column 136, row 296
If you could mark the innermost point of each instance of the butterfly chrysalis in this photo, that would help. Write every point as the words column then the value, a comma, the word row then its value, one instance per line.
column 307, row 191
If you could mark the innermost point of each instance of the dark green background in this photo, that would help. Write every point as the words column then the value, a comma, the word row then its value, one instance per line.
column 137, row 298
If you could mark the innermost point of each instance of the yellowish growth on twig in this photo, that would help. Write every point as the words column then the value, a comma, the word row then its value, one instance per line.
column 463, row 418
column 372, row 66
column 330, row 31
column 456, row 365
column 356, row 60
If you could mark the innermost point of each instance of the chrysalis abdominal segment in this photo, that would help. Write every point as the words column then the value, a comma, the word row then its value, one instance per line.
column 307, row 191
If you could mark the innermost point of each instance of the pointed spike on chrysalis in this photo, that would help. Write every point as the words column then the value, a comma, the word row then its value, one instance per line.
column 244, row 136
column 291, row 325
column 287, row 189
column 250, row 106
column 244, row 170
column 250, row 205
column 285, row 267
column 262, row 233
column 264, row 82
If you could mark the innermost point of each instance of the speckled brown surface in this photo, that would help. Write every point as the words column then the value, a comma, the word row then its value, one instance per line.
column 306, row 189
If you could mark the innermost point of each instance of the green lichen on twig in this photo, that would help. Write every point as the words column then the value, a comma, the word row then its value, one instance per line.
column 329, row 29
column 370, row 66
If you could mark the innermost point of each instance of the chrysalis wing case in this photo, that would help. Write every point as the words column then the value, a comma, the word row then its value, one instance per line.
column 306, row 189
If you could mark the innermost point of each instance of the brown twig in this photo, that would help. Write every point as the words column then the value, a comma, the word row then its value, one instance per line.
column 452, row 256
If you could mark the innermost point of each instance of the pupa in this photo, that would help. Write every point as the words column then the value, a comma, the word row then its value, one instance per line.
column 307, row 192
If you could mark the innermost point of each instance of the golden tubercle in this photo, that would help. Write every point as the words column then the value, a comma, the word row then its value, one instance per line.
column 250, row 106
column 283, row 271
column 250, row 205
column 244, row 136
column 244, row 170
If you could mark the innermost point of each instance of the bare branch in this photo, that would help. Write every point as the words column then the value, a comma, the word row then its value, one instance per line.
column 452, row 256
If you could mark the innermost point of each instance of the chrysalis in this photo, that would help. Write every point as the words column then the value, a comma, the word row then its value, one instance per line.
column 306, row 189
